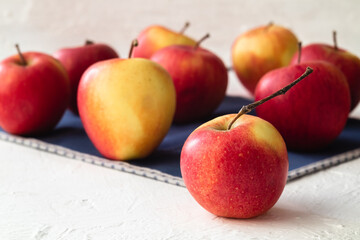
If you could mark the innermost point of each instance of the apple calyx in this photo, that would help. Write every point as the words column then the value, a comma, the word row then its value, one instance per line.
column 201, row 40
column 134, row 43
column 335, row 40
column 89, row 42
column 22, row 58
column 248, row 108
column 186, row 25
column 299, row 50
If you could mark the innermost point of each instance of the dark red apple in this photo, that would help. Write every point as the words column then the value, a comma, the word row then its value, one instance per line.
column 314, row 113
column 200, row 78
column 347, row 62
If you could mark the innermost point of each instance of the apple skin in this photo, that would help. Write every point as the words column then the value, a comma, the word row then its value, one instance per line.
column 77, row 59
column 260, row 50
column 313, row 113
column 200, row 79
column 155, row 37
column 236, row 173
column 348, row 63
column 34, row 97
column 126, row 106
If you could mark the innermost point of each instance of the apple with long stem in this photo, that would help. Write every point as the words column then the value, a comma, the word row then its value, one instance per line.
column 155, row 37
column 200, row 78
column 126, row 106
column 34, row 93
column 236, row 165
column 311, row 116
column 77, row 59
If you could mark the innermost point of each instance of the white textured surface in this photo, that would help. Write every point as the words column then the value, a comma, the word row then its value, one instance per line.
column 44, row 196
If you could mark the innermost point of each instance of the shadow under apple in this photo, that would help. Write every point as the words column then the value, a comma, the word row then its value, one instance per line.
column 280, row 220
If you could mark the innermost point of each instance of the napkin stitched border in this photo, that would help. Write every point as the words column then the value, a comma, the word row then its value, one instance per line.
column 158, row 175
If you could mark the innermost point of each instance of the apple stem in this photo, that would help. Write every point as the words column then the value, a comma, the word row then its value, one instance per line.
column 186, row 25
column 201, row 40
column 134, row 43
column 89, row 42
column 269, row 25
column 248, row 108
column 335, row 40
column 23, row 61
column 299, row 52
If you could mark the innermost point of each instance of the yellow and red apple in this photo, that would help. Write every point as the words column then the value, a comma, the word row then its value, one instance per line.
column 260, row 50
column 34, row 93
column 126, row 106
column 155, row 37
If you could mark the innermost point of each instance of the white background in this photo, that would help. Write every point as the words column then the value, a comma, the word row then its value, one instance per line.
column 46, row 26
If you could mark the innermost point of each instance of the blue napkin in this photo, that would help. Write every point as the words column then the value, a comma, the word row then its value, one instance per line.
column 69, row 133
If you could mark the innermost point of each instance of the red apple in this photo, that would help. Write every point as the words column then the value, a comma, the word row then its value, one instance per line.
column 200, row 79
column 348, row 63
column 237, row 173
column 314, row 113
column 155, row 37
column 77, row 59
column 261, row 50
column 34, row 93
